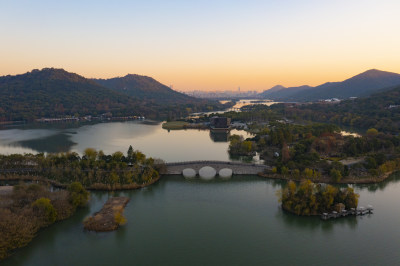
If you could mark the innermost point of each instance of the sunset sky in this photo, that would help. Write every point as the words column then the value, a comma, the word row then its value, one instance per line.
column 203, row 45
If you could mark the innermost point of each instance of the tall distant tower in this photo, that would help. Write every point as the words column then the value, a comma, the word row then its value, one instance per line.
column 239, row 89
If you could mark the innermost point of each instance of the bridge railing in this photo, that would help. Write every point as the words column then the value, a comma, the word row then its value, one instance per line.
column 215, row 162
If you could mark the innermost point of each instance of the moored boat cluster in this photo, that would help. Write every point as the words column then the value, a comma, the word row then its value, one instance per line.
column 353, row 211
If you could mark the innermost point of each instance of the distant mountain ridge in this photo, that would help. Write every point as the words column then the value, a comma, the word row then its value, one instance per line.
column 381, row 111
column 363, row 84
column 144, row 87
column 55, row 93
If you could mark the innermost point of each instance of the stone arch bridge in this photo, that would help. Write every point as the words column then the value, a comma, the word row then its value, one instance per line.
column 237, row 167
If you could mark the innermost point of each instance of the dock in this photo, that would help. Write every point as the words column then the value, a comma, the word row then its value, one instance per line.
column 353, row 211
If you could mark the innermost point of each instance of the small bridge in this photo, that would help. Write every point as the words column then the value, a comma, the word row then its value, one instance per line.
column 237, row 167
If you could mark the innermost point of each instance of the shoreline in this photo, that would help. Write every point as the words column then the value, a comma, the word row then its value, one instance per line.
column 328, row 180
column 94, row 187
column 106, row 187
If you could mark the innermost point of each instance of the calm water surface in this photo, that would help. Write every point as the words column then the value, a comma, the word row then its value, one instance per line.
column 238, row 104
column 234, row 222
column 181, row 222
column 177, row 145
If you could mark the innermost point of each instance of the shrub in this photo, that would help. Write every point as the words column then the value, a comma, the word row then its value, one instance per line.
column 120, row 219
column 335, row 174
column 45, row 209
column 78, row 194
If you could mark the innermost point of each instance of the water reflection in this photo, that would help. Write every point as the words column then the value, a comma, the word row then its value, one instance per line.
column 181, row 145
column 313, row 223
column 392, row 179
column 222, row 136
column 239, row 104
column 52, row 144
column 234, row 221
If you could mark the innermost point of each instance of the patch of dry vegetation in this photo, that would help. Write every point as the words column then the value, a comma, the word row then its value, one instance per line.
column 109, row 218
column 27, row 208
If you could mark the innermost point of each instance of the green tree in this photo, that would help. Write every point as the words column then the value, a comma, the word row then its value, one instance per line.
column 335, row 175
column 274, row 170
column 351, row 200
column 130, row 153
column 44, row 207
column 372, row 132
column 91, row 154
column 284, row 170
column 308, row 173
column 120, row 218
column 78, row 194
column 296, row 173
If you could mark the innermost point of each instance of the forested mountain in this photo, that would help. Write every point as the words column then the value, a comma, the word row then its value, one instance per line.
column 380, row 110
column 363, row 84
column 284, row 94
column 144, row 87
column 56, row 93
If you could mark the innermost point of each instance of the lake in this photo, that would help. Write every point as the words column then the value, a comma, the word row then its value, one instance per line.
column 239, row 104
column 194, row 222
column 233, row 222
column 171, row 146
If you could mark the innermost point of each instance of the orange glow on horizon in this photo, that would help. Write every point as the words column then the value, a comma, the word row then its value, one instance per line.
column 204, row 46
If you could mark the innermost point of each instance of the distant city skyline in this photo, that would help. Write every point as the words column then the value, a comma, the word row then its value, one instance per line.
column 203, row 45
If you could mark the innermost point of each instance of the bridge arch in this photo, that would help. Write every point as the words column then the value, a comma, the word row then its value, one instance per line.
column 238, row 168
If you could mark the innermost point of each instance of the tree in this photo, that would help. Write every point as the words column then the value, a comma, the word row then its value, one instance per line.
column 91, row 154
column 274, row 170
column 296, row 173
column 119, row 218
column 246, row 146
column 78, row 194
column 351, row 200
column 130, row 153
column 372, row 132
column 284, row 170
column 335, row 175
column 308, row 173
column 114, row 178
column 117, row 156
column 285, row 152
column 45, row 209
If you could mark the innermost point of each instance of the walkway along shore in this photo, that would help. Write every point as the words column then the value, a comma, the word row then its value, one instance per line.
column 328, row 180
